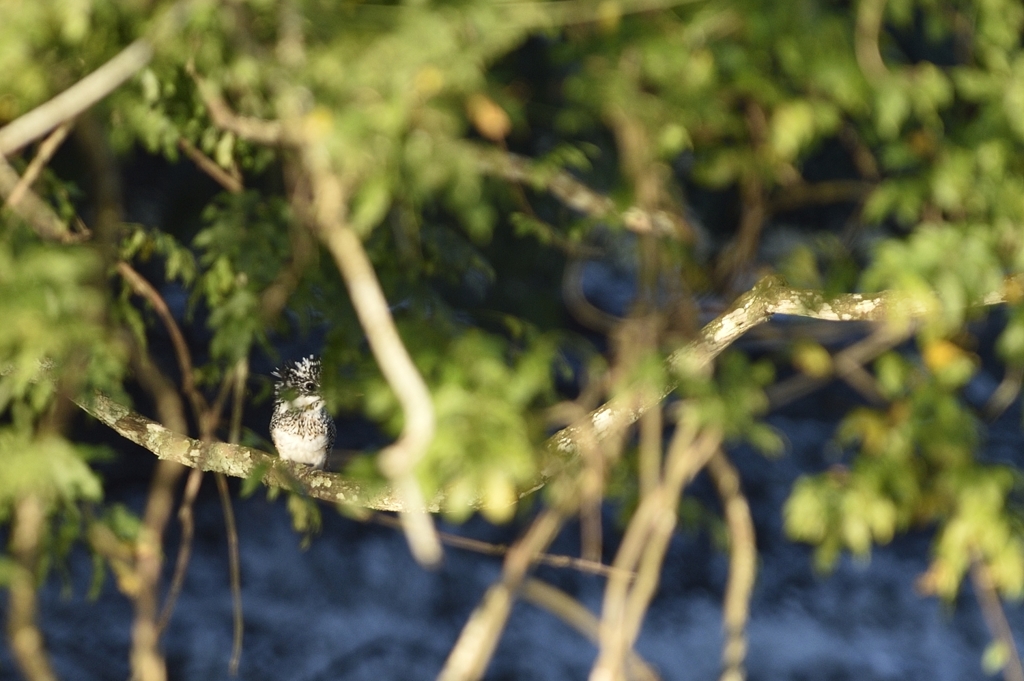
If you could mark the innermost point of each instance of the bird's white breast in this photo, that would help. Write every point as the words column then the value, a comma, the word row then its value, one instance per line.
column 308, row 449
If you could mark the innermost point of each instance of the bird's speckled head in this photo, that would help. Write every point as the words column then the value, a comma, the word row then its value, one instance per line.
column 298, row 382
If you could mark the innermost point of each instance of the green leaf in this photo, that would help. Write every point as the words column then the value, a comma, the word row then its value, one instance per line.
column 371, row 204
column 792, row 128
column 995, row 657
column 255, row 479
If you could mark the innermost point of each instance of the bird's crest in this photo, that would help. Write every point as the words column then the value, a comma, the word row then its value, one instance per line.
column 301, row 377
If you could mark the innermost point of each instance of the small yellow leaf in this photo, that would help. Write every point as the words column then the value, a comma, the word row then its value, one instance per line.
column 941, row 579
column 792, row 127
column 224, row 152
column 949, row 363
column 488, row 118
column 812, row 359
column 319, row 122
column 855, row 530
column 128, row 581
column 499, row 502
column 428, row 81
column 940, row 354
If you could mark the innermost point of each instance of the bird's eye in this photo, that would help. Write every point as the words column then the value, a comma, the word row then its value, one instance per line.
column 310, row 386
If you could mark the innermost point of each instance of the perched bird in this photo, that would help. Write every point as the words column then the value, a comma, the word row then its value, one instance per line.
column 301, row 428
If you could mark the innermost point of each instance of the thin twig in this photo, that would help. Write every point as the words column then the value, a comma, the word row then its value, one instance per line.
column 171, row 413
column 240, row 375
column 575, row 300
column 468, row 659
column 186, row 517
column 576, row 615
column 207, row 419
column 995, row 617
column 649, row 451
column 146, row 561
column 489, row 549
column 232, row 182
column 1004, row 394
column 861, row 155
column 147, row 661
column 33, row 210
column 847, row 363
column 834, row 191
column 644, row 544
column 561, row 184
column 232, row 383
column 594, row 455
column 46, row 151
column 235, row 572
column 181, row 352
column 212, row 415
column 169, row 407
column 742, row 565
column 303, row 248
column 734, row 262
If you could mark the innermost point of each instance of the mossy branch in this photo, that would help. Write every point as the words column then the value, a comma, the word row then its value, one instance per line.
column 757, row 306
column 237, row 461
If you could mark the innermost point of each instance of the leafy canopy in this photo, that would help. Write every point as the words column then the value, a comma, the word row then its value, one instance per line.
column 907, row 127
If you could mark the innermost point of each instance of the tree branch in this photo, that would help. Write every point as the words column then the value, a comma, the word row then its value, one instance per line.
column 143, row 288
column 23, row 633
column 573, row 193
column 755, row 307
column 75, row 99
column 32, row 209
column 819, row 193
column 232, row 182
column 577, row 616
column 147, row 661
column 870, row 14
column 554, row 560
column 398, row 460
column 46, row 151
column 468, row 659
column 995, row 618
column 644, row 544
column 258, row 130
column 238, row 461
column 742, row 564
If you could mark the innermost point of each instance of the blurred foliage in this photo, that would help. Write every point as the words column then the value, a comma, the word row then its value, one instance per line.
column 685, row 108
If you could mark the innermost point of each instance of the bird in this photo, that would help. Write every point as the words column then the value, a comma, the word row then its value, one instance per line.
column 300, row 427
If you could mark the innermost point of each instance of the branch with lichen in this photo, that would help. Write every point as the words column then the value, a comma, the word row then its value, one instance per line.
column 757, row 306
column 235, row 460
